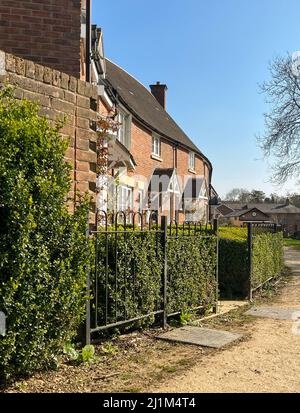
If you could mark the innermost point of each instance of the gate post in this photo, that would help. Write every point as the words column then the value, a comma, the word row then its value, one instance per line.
column 87, row 335
column 216, row 232
column 164, row 270
column 250, row 249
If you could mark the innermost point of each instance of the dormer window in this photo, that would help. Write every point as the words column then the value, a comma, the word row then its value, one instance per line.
column 192, row 161
column 124, row 131
column 156, row 146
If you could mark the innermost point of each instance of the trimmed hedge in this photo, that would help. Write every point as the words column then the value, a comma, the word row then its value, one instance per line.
column 233, row 268
column 233, row 260
column 42, row 247
column 139, row 264
column 267, row 257
column 191, row 272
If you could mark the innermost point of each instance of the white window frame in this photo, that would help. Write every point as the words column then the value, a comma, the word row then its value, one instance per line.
column 124, row 130
column 192, row 161
column 156, row 145
column 174, row 185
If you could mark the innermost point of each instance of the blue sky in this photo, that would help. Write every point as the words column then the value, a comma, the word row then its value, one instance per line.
column 212, row 54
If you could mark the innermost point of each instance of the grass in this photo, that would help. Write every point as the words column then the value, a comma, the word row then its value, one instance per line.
column 239, row 234
column 290, row 242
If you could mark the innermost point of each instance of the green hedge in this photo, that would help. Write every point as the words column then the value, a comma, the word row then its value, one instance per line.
column 267, row 257
column 138, row 259
column 42, row 246
column 133, row 275
column 233, row 233
column 233, row 268
column 191, row 272
column 233, row 260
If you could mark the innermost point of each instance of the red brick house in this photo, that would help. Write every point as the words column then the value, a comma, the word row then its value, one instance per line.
column 236, row 214
column 153, row 165
column 162, row 169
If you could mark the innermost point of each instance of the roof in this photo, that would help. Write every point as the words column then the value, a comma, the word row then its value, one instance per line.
column 164, row 172
column 241, row 212
column 160, row 179
column 286, row 209
column 224, row 209
column 141, row 103
column 266, row 208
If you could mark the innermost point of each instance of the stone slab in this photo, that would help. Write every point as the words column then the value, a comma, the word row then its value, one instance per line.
column 273, row 312
column 200, row 336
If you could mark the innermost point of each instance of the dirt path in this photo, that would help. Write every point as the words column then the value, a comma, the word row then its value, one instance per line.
column 268, row 362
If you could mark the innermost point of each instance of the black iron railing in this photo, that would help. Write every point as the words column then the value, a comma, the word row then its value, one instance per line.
column 128, row 279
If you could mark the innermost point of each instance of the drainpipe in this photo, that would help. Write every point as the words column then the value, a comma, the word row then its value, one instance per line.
column 88, row 41
column 175, row 155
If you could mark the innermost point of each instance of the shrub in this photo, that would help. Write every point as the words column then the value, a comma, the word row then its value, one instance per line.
column 191, row 272
column 267, row 257
column 233, row 268
column 42, row 246
column 233, row 260
column 234, row 233
column 134, row 274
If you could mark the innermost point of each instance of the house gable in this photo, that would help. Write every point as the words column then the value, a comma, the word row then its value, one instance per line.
column 254, row 215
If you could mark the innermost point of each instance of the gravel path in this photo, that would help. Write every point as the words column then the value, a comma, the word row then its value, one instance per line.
column 268, row 362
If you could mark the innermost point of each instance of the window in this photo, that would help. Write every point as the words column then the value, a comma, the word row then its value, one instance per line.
column 192, row 161
column 125, row 198
column 156, row 149
column 124, row 121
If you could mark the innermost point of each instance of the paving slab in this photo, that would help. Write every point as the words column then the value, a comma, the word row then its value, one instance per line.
column 200, row 336
column 274, row 312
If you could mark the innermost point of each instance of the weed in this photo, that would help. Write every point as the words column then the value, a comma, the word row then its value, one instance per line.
column 185, row 318
column 109, row 349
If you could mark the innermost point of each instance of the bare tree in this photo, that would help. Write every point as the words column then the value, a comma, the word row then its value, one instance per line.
column 282, row 136
column 257, row 196
column 238, row 195
column 243, row 195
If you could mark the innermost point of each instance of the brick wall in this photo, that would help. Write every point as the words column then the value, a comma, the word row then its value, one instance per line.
column 141, row 149
column 44, row 31
column 60, row 95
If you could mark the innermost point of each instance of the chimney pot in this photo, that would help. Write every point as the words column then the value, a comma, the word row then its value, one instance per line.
column 159, row 92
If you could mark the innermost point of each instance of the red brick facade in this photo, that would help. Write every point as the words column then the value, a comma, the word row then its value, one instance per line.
column 43, row 31
column 172, row 156
column 141, row 149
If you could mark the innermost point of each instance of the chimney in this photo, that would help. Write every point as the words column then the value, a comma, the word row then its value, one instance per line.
column 159, row 92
